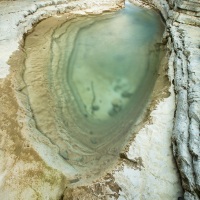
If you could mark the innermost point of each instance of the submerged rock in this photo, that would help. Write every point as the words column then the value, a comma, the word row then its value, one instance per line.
column 70, row 83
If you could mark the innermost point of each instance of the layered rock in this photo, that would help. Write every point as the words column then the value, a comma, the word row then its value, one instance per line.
column 186, row 138
column 184, row 29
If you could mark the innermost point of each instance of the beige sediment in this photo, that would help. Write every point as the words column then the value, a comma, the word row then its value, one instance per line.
column 23, row 172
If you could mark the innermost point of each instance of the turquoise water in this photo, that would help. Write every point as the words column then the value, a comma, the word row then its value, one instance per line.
column 113, row 54
column 97, row 78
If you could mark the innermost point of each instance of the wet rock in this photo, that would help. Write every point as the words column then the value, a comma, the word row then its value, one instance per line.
column 126, row 94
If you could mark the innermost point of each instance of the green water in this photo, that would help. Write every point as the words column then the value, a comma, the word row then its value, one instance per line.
column 113, row 54
column 98, row 76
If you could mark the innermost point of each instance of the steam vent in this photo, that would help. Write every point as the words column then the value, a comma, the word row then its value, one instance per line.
column 99, row 100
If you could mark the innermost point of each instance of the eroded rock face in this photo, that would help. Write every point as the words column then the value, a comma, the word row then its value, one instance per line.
column 184, row 29
column 186, row 138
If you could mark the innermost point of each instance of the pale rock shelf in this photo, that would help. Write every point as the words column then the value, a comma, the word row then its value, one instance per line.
column 183, row 23
column 184, row 26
